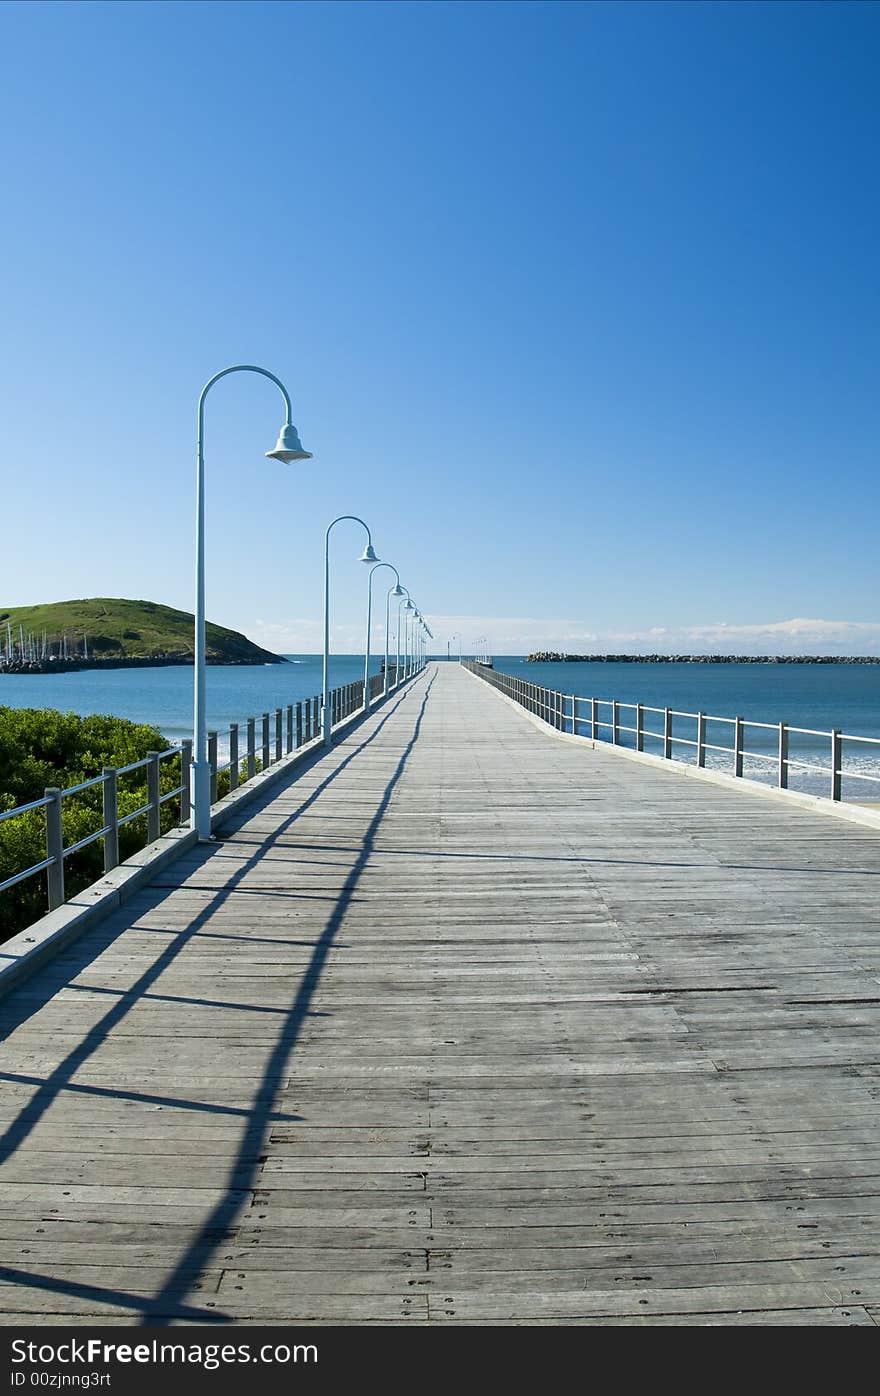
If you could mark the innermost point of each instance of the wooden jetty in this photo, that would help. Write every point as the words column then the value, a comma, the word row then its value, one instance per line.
column 463, row 1025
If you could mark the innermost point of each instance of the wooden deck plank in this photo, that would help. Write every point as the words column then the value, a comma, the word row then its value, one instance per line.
column 463, row 1025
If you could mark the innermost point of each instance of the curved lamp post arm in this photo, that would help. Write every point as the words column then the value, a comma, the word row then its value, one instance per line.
column 341, row 519
column 242, row 368
column 201, row 792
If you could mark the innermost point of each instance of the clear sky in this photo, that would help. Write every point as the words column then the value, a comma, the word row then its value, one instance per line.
column 578, row 306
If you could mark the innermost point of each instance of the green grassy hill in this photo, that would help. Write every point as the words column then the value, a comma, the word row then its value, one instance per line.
column 119, row 629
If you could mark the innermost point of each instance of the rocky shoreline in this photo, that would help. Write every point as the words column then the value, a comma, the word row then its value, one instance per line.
column 550, row 657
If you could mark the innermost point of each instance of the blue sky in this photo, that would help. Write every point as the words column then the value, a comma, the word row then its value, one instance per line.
column 578, row 306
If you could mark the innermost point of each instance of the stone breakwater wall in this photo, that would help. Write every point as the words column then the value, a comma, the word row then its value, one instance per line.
column 551, row 657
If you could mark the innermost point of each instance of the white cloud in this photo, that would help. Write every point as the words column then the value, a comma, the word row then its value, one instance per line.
column 523, row 634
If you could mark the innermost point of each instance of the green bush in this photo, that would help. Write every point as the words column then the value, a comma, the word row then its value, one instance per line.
column 40, row 748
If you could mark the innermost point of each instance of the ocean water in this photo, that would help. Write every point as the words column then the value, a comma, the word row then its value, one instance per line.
column 163, row 696
column 816, row 696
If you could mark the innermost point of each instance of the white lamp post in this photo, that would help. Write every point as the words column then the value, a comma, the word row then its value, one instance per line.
column 409, row 631
column 408, row 607
column 396, row 590
column 368, row 555
column 369, row 624
column 287, row 448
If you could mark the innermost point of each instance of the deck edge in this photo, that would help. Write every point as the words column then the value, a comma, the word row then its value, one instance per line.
column 817, row 804
column 28, row 950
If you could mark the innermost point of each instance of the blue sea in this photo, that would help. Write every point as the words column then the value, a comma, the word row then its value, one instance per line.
column 163, row 696
column 817, row 696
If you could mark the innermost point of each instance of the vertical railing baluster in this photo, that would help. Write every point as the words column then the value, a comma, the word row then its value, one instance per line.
column 233, row 756
column 153, row 790
column 289, row 728
column 836, row 764
column 640, row 727
column 667, row 733
column 615, row 722
column 265, row 741
column 251, row 747
column 737, row 746
column 54, row 848
column 186, row 750
column 782, row 772
column 594, row 719
column 110, row 794
column 299, row 725
column 279, row 741
column 212, row 763
column 701, row 739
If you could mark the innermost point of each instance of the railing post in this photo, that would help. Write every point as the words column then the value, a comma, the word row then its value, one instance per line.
column 667, row 733
column 266, row 753
column 701, row 739
column 737, row 746
column 186, row 753
column 279, row 740
column 640, row 727
column 154, row 813
column 54, row 848
column 233, row 756
column 212, row 764
column 836, row 764
column 615, row 722
column 574, row 715
column 299, row 725
column 251, row 747
column 782, row 776
column 594, row 718
column 111, row 819
column 289, row 728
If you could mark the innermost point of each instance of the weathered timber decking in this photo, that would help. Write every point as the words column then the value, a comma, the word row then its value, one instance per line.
column 465, row 1025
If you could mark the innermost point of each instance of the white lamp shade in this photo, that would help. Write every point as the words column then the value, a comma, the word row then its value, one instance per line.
column 288, row 446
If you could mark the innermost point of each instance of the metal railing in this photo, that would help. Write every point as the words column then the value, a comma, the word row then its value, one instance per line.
column 280, row 733
column 600, row 719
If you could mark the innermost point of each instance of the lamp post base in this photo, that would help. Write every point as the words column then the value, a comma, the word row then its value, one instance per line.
column 200, row 800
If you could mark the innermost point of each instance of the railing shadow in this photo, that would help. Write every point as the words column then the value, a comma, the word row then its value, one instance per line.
column 243, row 1168
column 169, row 1302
